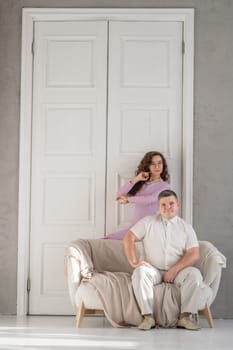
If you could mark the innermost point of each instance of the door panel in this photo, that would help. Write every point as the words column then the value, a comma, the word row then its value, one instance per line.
column 68, row 152
column 145, row 104
column 70, row 135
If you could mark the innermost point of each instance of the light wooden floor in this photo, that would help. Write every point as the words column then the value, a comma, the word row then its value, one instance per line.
column 59, row 332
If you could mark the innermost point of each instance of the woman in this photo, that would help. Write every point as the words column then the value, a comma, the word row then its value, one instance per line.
column 142, row 190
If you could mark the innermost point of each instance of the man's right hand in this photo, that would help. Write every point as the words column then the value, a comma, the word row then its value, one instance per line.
column 141, row 263
column 129, row 248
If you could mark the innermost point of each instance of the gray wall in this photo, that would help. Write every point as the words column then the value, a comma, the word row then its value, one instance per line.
column 213, row 125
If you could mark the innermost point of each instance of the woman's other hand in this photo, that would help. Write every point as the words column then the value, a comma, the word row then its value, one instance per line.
column 122, row 199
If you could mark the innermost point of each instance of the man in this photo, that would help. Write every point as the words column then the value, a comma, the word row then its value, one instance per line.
column 171, row 248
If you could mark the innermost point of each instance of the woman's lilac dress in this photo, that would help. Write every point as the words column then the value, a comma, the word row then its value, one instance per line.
column 145, row 203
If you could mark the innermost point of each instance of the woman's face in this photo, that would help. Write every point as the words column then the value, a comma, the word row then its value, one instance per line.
column 156, row 166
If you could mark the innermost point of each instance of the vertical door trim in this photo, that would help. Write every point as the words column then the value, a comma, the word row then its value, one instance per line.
column 30, row 16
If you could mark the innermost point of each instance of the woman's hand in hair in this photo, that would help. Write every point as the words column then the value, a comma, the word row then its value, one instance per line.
column 142, row 176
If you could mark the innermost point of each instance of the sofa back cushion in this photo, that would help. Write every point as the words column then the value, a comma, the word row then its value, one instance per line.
column 108, row 255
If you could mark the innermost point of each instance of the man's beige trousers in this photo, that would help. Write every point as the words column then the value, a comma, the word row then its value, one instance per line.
column 193, row 291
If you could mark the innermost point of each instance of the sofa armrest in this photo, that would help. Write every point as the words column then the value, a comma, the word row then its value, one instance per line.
column 78, row 265
column 211, row 259
column 73, row 272
column 210, row 264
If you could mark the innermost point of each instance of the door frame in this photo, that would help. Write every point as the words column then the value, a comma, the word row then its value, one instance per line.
column 29, row 17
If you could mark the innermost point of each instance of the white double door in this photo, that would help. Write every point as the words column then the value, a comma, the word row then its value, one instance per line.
column 104, row 93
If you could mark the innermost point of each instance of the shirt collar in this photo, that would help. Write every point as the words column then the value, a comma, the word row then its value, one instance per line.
column 172, row 221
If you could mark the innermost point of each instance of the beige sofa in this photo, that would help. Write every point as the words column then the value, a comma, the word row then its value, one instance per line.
column 98, row 276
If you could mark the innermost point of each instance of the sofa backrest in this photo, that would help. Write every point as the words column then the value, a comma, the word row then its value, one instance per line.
column 108, row 255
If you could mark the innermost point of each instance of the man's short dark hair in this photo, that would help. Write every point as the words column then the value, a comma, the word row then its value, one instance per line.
column 167, row 193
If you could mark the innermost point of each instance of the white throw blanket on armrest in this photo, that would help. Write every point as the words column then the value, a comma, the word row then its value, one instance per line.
column 210, row 261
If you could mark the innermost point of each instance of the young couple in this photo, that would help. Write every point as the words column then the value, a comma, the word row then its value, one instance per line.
column 170, row 244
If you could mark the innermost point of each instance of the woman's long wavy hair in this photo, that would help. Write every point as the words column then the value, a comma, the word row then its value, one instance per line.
column 144, row 166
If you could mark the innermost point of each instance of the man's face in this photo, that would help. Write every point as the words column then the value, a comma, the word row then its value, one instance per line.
column 168, row 207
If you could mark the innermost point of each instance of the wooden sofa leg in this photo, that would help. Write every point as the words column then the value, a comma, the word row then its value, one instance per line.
column 80, row 314
column 207, row 314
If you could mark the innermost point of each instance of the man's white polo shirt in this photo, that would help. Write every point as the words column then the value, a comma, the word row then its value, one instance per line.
column 165, row 241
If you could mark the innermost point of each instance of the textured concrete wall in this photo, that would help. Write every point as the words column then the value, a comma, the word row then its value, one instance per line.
column 213, row 125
